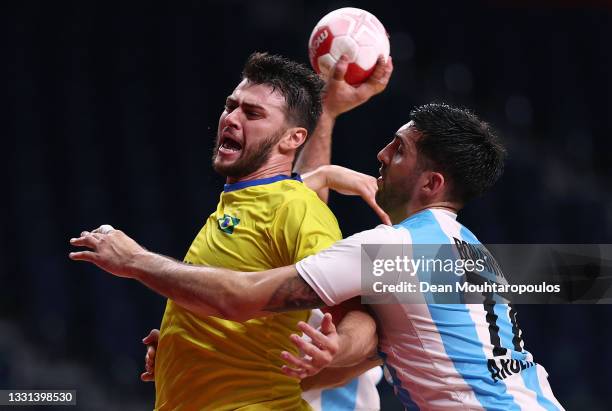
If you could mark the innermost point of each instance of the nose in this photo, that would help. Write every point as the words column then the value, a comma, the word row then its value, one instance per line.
column 382, row 155
column 231, row 120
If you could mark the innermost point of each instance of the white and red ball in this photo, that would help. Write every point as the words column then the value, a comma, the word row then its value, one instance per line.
column 351, row 31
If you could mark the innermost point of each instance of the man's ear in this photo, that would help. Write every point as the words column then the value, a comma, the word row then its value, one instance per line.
column 434, row 185
column 294, row 137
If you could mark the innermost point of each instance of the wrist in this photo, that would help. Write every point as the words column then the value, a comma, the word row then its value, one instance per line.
column 344, row 346
column 140, row 264
column 328, row 115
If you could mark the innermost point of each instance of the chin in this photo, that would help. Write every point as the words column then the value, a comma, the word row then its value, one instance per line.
column 233, row 169
column 221, row 168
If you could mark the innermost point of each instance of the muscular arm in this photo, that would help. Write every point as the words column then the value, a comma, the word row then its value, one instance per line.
column 348, row 182
column 339, row 97
column 344, row 347
column 317, row 150
column 202, row 290
column 357, row 336
column 232, row 295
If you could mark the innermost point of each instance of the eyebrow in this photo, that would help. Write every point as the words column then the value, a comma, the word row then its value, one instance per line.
column 230, row 99
column 406, row 142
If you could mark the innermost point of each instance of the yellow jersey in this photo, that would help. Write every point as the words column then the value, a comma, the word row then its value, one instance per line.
column 208, row 363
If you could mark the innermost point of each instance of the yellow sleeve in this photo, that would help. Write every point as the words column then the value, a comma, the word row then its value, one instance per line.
column 303, row 226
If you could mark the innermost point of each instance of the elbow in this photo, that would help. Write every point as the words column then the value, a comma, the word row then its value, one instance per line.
column 235, row 313
column 227, row 311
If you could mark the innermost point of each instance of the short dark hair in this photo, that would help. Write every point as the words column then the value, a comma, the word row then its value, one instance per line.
column 463, row 147
column 300, row 86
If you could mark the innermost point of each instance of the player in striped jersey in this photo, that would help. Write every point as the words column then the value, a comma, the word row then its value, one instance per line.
column 441, row 356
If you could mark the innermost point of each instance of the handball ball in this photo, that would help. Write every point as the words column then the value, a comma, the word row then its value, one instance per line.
column 354, row 32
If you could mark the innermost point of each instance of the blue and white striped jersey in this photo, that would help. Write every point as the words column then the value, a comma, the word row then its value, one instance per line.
column 440, row 356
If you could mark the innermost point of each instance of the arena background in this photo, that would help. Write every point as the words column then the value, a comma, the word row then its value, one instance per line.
column 110, row 110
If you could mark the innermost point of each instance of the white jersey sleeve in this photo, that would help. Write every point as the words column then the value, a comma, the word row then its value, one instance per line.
column 335, row 273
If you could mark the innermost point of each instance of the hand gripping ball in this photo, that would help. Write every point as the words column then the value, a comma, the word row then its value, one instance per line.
column 351, row 31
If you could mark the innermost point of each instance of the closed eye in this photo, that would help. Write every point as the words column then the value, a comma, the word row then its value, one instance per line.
column 252, row 114
column 398, row 145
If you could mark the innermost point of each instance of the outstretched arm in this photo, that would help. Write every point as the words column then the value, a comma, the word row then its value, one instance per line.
column 339, row 97
column 203, row 290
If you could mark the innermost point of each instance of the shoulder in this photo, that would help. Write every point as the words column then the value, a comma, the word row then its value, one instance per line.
column 298, row 199
column 382, row 234
column 420, row 220
column 301, row 214
column 436, row 226
column 293, row 190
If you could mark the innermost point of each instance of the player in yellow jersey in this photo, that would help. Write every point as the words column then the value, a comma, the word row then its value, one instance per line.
column 265, row 218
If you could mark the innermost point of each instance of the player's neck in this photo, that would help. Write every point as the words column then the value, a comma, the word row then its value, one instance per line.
column 270, row 169
column 411, row 210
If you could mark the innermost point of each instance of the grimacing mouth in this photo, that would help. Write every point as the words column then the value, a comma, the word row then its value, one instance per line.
column 229, row 143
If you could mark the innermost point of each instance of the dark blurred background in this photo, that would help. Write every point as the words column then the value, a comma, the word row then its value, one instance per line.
column 110, row 114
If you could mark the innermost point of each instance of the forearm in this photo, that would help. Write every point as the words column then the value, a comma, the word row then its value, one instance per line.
column 202, row 290
column 338, row 178
column 337, row 377
column 317, row 149
column 317, row 179
column 358, row 339
column 221, row 292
